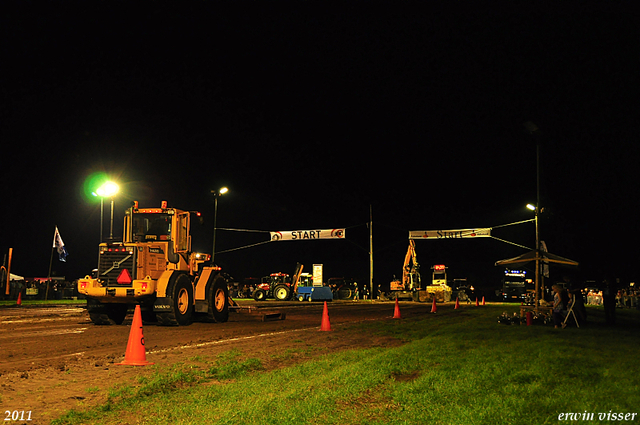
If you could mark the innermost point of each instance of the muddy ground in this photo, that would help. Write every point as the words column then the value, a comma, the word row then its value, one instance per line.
column 54, row 359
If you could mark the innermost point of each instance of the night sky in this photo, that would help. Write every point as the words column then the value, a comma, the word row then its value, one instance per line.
column 313, row 112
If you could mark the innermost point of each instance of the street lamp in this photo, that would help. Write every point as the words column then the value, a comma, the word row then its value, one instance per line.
column 216, row 195
column 107, row 190
column 537, row 254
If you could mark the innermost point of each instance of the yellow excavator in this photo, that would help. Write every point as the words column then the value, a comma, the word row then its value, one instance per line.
column 410, row 285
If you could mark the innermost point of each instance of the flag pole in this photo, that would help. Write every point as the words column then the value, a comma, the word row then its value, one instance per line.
column 46, row 295
column 9, row 271
column 55, row 232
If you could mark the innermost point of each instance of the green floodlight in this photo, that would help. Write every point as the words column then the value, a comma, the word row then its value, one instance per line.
column 108, row 189
column 92, row 183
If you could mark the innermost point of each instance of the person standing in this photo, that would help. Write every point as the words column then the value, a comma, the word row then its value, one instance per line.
column 609, row 292
column 575, row 289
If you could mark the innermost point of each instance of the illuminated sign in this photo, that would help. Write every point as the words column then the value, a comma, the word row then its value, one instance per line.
column 317, row 275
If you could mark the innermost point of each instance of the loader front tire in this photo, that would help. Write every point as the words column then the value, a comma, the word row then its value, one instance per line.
column 181, row 294
column 106, row 314
column 117, row 312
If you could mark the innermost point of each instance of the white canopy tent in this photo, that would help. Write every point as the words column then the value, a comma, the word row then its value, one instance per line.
column 539, row 257
column 545, row 257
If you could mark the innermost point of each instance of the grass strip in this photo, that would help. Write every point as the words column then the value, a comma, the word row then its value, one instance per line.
column 456, row 367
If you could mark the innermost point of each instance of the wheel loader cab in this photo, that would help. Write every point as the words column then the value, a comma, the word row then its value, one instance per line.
column 151, row 227
column 154, row 267
column 159, row 224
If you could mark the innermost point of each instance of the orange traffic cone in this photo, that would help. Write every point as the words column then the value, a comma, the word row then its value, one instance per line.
column 396, row 312
column 325, row 326
column 477, row 302
column 483, row 300
column 135, row 354
column 434, row 309
column 457, row 304
column 19, row 302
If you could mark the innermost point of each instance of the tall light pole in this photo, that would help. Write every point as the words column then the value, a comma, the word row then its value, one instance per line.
column 107, row 190
column 374, row 293
column 533, row 130
column 216, row 194
column 537, row 254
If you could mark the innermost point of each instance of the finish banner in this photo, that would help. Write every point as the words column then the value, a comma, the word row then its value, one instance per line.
column 302, row 235
column 450, row 234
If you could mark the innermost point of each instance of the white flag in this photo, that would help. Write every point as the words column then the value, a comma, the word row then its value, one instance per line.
column 59, row 246
column 545, row 264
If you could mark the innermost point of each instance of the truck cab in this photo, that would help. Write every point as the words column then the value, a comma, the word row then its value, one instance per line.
column 516, row 286
column 439, row 289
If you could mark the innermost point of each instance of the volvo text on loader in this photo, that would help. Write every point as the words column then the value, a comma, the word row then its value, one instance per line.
column 153, row 266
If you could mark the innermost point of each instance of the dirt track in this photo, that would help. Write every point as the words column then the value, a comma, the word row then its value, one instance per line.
column 51, row 356
column 33, row 338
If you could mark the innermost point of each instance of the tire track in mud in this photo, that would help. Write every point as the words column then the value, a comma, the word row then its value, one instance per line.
column 35, row 338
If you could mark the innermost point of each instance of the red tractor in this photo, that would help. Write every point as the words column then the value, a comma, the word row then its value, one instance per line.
column 278, row 285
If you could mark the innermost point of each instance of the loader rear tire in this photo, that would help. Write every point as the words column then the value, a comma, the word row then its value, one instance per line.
column 218, row 299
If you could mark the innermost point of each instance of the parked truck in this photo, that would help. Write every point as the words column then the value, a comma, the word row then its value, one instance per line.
column 516, row 286
column 153, row 266
column 439, row 287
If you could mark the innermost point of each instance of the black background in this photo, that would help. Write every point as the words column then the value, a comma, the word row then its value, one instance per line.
column 311, row 113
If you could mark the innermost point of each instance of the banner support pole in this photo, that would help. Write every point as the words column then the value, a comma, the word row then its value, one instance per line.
column 373, row 294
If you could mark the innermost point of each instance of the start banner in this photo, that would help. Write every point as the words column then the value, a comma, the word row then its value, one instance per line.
column 450, row 234
column 301, row 235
